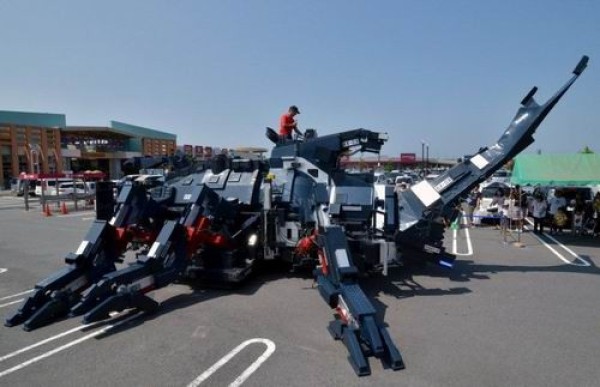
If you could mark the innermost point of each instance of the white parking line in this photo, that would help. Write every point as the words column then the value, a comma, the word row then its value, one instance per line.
column 11, row 303
column 16, row 295
column 63, row 347
column 247, row 372
column 467, row 236
column 583, row 263
column 14, row 207
column 76, row 214
column 46, row 341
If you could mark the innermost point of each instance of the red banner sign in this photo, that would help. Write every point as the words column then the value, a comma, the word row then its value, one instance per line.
column 408, row 158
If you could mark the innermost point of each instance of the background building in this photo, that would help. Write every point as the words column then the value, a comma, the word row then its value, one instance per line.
column 105, row 148
column 398, row 163
column 42, row 143
column 30, row 143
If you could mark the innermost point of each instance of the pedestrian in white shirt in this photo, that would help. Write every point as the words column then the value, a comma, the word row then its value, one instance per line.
column 539, row 213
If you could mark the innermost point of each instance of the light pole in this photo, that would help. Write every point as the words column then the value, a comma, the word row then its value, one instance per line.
column 427, row 158
column 424, row 157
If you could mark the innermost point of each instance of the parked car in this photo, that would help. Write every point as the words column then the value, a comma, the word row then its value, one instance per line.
column 91, row 186
column 431, row 177
column 17, row 186
column 70, row 188
column 501, row 176
column 404, row 179
column 151, row 180
column 125, row 180
column 48, row 185
column 485, row 211
column 380, row 178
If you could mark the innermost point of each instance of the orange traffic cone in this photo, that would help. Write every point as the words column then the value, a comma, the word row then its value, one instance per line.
column 47, row 211
column 63, row 209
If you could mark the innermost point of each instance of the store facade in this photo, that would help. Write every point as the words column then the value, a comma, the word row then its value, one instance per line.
column 105, row 148
column 30, row 143
column 42, row 143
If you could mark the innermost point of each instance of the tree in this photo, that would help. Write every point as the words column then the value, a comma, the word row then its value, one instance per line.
column 587, row 150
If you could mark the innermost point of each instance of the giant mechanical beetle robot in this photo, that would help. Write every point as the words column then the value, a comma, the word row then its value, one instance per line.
column 299, row 207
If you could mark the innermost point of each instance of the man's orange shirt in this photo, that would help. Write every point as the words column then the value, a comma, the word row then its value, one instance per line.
column 286, row 123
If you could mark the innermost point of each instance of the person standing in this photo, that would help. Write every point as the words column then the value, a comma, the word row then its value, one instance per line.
column 287, row 123
column 539, row 213
column 556, row 204
column 498, row 204
column 471, row 203
column 596, row 206
column 515, row 208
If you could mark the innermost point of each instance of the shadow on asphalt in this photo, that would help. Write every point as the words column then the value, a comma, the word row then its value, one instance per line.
column 469, row 270
column 400, row 284
column 203, row 291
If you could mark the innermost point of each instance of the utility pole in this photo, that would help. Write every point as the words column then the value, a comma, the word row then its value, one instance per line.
column 427, row 158
column 422, row 158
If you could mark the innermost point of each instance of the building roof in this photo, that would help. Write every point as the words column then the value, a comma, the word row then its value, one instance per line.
column 51, row 120
column 139, row 131
column 96, row 131
column 46, row 120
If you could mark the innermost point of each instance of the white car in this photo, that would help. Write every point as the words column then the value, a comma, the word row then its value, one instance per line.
column 431, row 177
column 501, row 176
column 151, row 180
column 47, row 186
column 78, row 187
column 408, row 180
column 485, row 210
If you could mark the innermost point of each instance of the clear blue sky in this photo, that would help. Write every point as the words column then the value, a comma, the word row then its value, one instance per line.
column 217, row 72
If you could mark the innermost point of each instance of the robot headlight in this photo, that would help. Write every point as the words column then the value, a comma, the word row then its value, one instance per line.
column 252, row 239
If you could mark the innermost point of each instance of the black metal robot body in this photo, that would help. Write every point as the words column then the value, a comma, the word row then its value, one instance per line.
column 218, row 221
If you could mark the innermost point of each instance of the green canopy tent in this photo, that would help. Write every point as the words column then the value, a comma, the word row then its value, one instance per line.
column 579, row 169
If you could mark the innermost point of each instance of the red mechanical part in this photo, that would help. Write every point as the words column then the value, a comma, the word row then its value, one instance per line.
column 122, row 236
column 199, row 234
column 343, row 314
column 304, row 246
column 323, row 264
column 218, row 240
column 144, row 236
column 307, row 246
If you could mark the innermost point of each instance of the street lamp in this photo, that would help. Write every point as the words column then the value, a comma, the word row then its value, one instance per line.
column 424, row 157
column 427, row 158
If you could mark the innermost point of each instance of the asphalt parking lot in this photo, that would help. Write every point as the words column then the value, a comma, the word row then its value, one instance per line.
column 505, row 315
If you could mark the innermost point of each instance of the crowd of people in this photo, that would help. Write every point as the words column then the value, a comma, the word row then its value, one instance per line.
column 513, row 205
column 579, row 215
